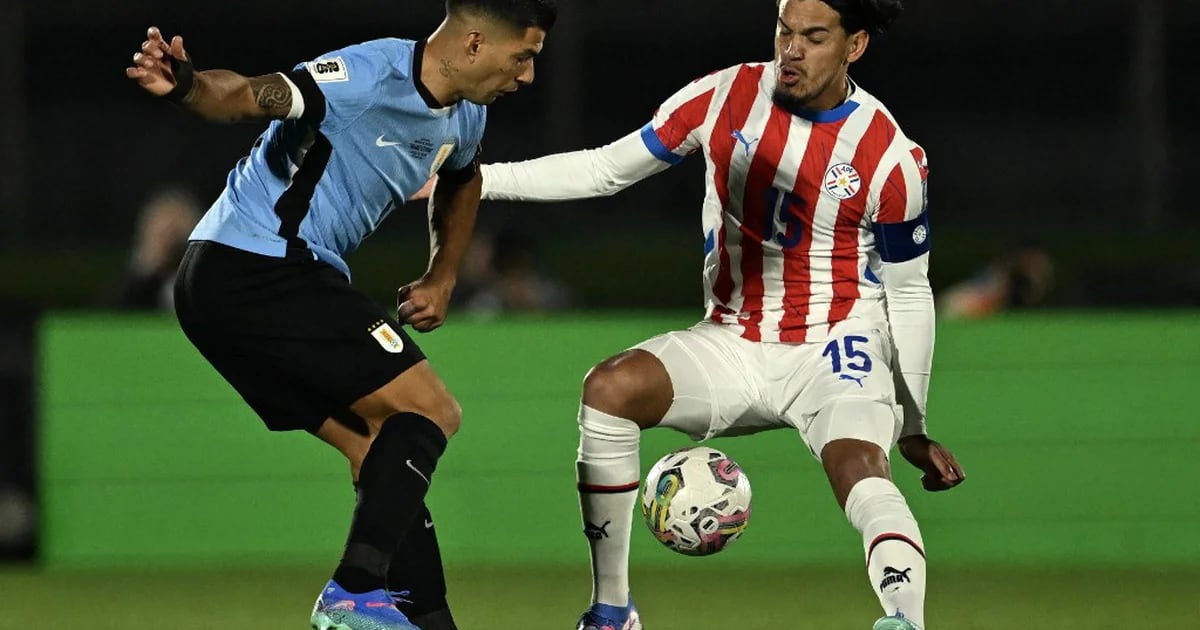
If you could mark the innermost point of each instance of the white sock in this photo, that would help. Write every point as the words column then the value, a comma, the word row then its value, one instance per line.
column 609, row 474
column 895, row 551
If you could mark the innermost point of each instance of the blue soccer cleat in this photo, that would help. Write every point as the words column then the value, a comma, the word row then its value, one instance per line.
column 895, row 622
column 605, row 617
column 337, row 609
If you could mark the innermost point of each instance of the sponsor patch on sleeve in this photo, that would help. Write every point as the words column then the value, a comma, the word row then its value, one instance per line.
column 328, row 70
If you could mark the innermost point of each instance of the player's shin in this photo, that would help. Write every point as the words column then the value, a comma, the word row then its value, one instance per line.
column 392, row 484
column 895, row 551
column 608, row 474
column 416, row 579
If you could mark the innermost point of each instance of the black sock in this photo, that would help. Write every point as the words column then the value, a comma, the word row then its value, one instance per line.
column 392, row 484
column 436, row 620
column 416, row 576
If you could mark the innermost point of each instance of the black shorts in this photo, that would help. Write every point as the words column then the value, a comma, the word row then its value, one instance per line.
column 290, row 334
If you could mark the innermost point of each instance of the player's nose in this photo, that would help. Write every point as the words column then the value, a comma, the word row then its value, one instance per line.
column 526, row 77
column 792, row 50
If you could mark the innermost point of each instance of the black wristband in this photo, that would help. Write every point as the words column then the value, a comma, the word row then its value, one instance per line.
column 184, row 79
column 458, row 177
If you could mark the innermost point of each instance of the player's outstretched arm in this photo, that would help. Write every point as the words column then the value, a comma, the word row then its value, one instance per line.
column 165, row 69
column 452, row 209
column 576, row 175
column 672, row 134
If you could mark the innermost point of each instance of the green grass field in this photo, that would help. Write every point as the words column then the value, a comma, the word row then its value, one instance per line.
column 1078, row 434
column 980, row 599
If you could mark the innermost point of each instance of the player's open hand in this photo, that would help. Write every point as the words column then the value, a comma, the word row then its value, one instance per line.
column 423, row 304
column 152, row 65
column 942, row 471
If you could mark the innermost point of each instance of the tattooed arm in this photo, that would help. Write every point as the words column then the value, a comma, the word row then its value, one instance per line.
column 226, row 96
column 165, row 69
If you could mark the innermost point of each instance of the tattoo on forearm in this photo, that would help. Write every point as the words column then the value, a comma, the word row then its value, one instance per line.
column 272, row 94
column 447, row 68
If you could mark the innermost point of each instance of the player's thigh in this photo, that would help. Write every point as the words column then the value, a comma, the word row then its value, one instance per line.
column 291, row 335
column 845, row 390
column 280, row 400
column 419, row 390
column 711, row 377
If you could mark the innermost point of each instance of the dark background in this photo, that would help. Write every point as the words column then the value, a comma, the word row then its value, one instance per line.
column 1066, row 124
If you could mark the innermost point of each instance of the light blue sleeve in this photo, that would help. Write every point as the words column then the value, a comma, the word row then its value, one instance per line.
column 464, row 154
column 349, row 79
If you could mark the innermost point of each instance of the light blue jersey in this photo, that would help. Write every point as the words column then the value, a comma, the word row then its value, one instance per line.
column 369, row 137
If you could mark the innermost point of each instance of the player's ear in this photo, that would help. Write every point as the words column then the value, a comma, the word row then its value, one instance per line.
column 474, row 45
column 857, row 46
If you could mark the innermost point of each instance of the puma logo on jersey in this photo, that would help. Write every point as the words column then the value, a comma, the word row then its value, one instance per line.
column 856, row 379
column 737, row 133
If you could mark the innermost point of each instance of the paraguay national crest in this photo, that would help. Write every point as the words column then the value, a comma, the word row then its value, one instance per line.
column 842, row 181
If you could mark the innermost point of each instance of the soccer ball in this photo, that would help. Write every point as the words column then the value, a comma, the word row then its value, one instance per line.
column 696, row 501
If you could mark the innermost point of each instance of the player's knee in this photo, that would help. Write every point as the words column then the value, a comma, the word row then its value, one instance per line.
column 848, row 461
column 849, row 456
column 447, row 414
column 607, row 386
column 623, row 386
column 852, row 439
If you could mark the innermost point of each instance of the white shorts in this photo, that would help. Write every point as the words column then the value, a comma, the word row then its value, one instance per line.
column 839, row 388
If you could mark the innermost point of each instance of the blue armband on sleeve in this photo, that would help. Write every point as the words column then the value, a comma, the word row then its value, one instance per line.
column 899, row 242
column 657, row 148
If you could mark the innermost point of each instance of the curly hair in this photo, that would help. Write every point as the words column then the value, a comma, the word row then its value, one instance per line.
column 873, row 16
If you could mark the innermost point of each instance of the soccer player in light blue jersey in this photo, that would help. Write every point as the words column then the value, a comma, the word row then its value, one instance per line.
column 264, row 292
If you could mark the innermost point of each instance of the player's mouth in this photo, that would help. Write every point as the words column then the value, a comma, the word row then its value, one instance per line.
column 790, row 76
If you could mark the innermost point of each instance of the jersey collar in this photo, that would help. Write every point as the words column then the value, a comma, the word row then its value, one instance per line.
column 426, row 95
column 841, row 112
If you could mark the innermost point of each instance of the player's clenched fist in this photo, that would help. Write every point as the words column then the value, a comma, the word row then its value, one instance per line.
column 423, row 304
column 941, row 469
column 159, row 67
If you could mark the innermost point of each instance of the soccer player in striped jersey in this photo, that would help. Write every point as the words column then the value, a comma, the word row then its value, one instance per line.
column 264, row 292
column 819, row 317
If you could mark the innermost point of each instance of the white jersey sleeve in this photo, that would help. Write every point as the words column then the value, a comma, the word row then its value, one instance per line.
column 901, row 226
column 575, row 175
column 670, row 136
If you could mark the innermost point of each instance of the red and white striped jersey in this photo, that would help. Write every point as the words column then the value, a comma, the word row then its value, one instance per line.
column 791, row 201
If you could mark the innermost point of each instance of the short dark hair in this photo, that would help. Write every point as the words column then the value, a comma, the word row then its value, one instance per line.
column 872, row 16
column 521, row 14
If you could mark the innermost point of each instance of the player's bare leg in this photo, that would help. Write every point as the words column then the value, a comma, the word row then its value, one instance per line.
column 860, row 476
column 408, row 421
column 621, row 396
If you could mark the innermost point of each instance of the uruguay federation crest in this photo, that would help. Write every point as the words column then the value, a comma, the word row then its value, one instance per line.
column 387, row 337
column 842, row 181
column 440, row 158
